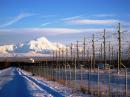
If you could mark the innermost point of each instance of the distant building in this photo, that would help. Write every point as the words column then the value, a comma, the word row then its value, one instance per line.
column 31, row 60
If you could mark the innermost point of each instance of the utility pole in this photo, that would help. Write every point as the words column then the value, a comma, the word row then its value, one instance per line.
column 104, row 42
column 112, row 55
column 128, row 53
column 56, row 58
column 59, row 56
column 53, row 56
column 101, row 52
column 93, row 46
column 53, row 64
column 62, row 56
column 77, row 51
column 59, row 63
column 88, row 55
column 66, row 63
column 119, row 48
column 82, row 57
column 84, row 44
column 109, row 53
column 56, row 64
column 66, row 55
column 99, row 55
column 71, row 48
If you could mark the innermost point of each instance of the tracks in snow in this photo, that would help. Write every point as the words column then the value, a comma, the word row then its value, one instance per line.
column 41, row 86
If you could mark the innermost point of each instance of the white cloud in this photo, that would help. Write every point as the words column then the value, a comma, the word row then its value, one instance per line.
column 83, row 20
column 15, row 19
column 70, row 18
column 50, row 31
column 91, row 21
column 60, row 30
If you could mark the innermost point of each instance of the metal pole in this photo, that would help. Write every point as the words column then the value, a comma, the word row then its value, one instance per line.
column 128, row 54
column 88, row 79
column 59, row 56
column 69, row 74
column 75, row 73
column 71, row 48
column 77, row 52
column 53, row 65
column 112, row 56
column 109, row 53
column 91, row 89
column 93, row 46
column 59, row 72
column 82, row 57
column 46, row 70
column 109, row 82
column 126, row 83
column 66, row 63
column 91, row 63
column 81, row 73
column 62, row 65
column 84, row 49
column 101, row 53
column 104, row 36
column 59, row 64
column 71, row 51
column 98, row 84
column 56, row 64
column 119, row 40
column 88, row 57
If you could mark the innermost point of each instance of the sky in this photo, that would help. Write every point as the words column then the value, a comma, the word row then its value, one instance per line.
column 62, row 21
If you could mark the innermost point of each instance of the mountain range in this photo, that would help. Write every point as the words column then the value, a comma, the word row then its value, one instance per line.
column 38, row 47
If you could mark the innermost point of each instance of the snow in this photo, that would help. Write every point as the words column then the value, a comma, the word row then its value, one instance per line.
column 67, row 92
column 35, row 90
column 15, row 82
column 5, row 79
column 43, row 43
column 36, row 47
column 7, row 48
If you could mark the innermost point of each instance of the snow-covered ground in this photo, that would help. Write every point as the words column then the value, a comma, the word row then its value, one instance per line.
column 15, row 82
column 5, row 76
column 52, row 86
column 108, row 82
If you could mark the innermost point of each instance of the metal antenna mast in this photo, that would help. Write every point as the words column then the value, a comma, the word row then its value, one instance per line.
column 104, row 42
column 93, row 45
column 119, row 47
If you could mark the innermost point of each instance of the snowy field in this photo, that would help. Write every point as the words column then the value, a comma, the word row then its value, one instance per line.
column 15, row 82
column 107, row 83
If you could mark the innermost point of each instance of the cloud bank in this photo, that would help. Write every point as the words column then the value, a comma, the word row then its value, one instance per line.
column 91, row 21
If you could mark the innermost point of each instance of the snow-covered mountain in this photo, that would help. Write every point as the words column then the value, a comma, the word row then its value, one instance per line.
column 42, row 44
column 38, row 47
column 7, row 48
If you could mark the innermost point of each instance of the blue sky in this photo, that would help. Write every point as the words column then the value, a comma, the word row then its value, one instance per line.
column 59, row 20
